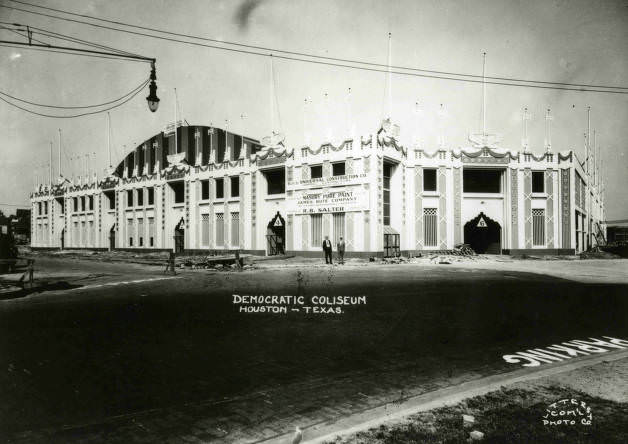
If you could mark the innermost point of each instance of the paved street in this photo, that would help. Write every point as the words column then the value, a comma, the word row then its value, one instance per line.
column 173, row 360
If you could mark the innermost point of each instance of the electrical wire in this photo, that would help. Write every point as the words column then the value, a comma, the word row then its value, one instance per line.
column 30, row 48
column 141, row 85
column 294, row 53
column 339, row 65
column 76, row 115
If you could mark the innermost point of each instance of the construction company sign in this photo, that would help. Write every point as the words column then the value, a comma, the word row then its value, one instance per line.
column 331, row 181
column 333, row 200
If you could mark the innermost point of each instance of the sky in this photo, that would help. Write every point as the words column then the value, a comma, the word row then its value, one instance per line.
column 575, row 41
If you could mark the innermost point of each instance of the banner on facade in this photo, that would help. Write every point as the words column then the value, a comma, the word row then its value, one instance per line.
column 335, row 200
column 331, row 181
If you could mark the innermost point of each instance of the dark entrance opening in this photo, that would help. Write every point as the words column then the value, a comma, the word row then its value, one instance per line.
column 62, row 238
column 483, row 235
column 179, row 236
column 112, row 238
column 276, row 235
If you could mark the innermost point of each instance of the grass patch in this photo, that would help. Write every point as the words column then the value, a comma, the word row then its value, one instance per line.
column 505, row 416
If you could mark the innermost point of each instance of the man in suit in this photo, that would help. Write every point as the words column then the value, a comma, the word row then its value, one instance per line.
column 341, row 250
column 327, row 250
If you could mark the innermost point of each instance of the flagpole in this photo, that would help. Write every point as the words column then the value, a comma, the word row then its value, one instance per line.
column 176, row 148
column 484, row 94
column 59, row 158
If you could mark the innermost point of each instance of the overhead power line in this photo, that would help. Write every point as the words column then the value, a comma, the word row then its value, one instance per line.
column 2, row 93
column 438, row 74
column 135, row 93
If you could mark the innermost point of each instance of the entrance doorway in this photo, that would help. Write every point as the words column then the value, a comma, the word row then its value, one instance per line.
column 62, row 238
column 276, row 235
column 483, row 235
column 112, row 238
column 179, row 236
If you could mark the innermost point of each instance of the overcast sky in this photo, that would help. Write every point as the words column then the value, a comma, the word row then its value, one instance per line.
column 579, row 41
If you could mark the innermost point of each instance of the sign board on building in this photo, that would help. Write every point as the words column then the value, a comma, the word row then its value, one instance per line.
column 482, row 223
column 335, row 200
column 271, row 160
column 331, row 181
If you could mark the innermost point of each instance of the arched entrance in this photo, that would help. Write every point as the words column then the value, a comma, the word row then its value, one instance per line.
column 483, row 235
column 179, row 237
column 276, row 235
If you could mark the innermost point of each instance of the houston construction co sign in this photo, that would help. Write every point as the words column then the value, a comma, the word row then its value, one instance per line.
column 333, row 200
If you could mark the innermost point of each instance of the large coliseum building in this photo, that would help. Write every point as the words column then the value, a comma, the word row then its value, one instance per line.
column 212, row 191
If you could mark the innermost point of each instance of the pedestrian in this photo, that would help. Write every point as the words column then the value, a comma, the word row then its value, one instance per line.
column 341, row 250
column 327, row 250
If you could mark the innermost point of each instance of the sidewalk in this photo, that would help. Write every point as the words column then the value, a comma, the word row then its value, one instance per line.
column 594, row 378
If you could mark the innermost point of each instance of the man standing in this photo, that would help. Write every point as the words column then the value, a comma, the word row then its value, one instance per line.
column 327, row 250
column 341, row 250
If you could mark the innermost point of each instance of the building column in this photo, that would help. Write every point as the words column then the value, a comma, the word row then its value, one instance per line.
column 442, row 207
column 514, row 208
column 527, row 202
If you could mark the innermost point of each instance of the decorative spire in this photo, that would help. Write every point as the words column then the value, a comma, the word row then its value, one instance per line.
column 548, row 130
column 524, row 140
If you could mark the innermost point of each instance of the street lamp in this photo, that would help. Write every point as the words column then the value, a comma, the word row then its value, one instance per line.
column 152, row 99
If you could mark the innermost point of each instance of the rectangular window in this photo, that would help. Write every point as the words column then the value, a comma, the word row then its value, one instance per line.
column 235, row 229
column 151, row 231
column 153, row 156
column 204, row 189
column 83, row 207
column 140, row 162
column 39, row 207
column 538, row 227
column 316, row 225
column 220, row 229
column 91, row 233
column 140, row 232
column 45, row 207
column 338, row 169
column 178, row 188
column 276, row 181
column 140, row 197
column 222, row 144
column 112, row 199
column 75, row 234
column 316, row 171
column 83, row 234
column 235, row 186
column 129, row 198
column 429, row 179
column 339, row 226
column 75, row 205
column 151, row 196
column 237, row 146
column 481, row 181
column 220, row 188
column 430, row 226
column 205, row 230
column 129, row 230
column 90, row 200
column 130, row 164
column 538, row 182
column 387, row 175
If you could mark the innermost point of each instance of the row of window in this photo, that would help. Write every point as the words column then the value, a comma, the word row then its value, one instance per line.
column 136, row 197
column 316, row 228
column 479, row 181
column 219, row 227
column 139, row 233
column 219, row 188
column 83, row 203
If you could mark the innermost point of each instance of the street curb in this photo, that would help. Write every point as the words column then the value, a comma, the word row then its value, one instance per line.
column 394, row 411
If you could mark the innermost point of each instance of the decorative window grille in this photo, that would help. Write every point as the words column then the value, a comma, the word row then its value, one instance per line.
column 220, row 229
column 339, row 227
column 235, row 229
column 129, row 227
column 430, row 226
column 205, row 230
column 316, row 223
column 140, row 232
column 538, row 227
column 151, row 231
